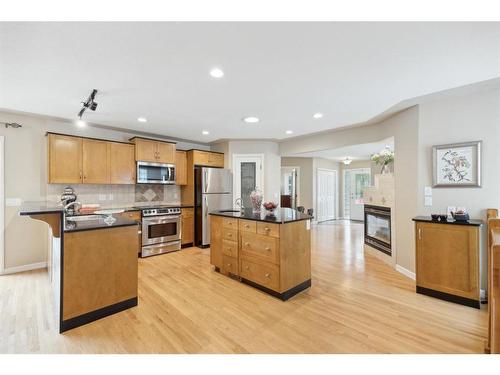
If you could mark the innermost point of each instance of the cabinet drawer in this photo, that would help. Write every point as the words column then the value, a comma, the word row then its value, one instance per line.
column 230, row 248
column 259, row 246
column 229, row 265
column 230, row 234
column 187, row 213
column 265, row 275
column 267, row 229
column 133, row 215
column 248, row 226
column 230, row 223
column 216, row 160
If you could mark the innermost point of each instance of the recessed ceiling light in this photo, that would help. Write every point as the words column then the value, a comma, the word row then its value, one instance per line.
column 289, row 132
column 318, row 115
column 142, row 119
column 81, row 123
column 251, row 119
column 205, row 132
column 217, row 73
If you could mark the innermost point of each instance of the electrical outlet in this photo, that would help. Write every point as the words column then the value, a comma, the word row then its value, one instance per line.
column 428, row 191
column 428, row 201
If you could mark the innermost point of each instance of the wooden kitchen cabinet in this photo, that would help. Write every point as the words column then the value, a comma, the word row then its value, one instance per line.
column 65, row 159
column 154, row 151
column 187, row 225
column 181, row 167
column 122, row 163
column 447, row 261
column 208, row 158
column 95, row 162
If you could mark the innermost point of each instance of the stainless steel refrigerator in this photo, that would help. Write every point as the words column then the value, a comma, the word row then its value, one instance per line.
column 213, row 192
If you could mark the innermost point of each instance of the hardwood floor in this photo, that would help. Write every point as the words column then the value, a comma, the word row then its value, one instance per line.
column 357, row 304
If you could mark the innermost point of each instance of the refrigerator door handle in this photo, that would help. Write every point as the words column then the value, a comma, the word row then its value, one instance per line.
column 206, row 207
column 206, row 181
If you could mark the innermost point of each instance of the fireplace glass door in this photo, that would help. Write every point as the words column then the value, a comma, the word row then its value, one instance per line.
column 378, row 228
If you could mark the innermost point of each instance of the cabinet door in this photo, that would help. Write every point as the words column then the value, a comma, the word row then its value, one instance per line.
column 122, row 163
column 216, row 160
column 181, row 167
column 146, row 150
column 187, row 217
column 65, row 159
column 95, row 162
column 216, row 241
column 200, row 158
column 165, row 152
column 448, row 258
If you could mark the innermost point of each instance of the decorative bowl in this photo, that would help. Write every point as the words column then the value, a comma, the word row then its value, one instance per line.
column 270, row 206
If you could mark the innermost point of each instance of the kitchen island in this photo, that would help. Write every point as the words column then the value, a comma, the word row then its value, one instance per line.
column 93, row 265
column 269, row 252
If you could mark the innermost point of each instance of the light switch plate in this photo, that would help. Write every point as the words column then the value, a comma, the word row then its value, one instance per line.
column 428, row 191
column 428, row 201
column 110, row 197
column 102, row 197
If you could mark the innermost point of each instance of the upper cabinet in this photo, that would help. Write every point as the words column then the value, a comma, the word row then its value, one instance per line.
column 208, row 158
column 65, row 159
column 76, row 160
column 181, row 167
column 154, row 151
column 95, row 162
column 122, row 163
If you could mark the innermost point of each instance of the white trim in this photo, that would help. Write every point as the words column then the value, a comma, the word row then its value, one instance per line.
column 24, row 268
column 297, row 182
column 236, row 168
column 2, row 204
column 406, row 272
column 336, row 195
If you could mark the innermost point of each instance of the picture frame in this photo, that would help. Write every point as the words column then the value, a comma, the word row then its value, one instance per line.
column 457, row 164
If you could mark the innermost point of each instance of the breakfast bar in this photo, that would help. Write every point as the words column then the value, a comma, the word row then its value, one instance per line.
column 271, row 252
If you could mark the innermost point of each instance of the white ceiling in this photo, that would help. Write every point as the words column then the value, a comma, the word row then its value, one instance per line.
column 362, row 151
column 280, row 72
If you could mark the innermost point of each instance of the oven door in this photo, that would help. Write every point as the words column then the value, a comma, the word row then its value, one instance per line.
column 155, row 173
column 160, row 229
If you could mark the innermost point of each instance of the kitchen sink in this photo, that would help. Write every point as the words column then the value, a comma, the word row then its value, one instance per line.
column 84, row 217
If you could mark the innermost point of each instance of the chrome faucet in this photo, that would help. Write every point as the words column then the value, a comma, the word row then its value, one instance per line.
column 70, row 204
column 239, row 203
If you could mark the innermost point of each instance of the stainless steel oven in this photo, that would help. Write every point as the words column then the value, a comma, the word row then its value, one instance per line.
column 161, row 231
column 155, row 173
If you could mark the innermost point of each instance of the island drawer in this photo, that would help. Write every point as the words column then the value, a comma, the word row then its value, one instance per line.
column 260, row 246
column 229, row 265
column 266, row 275
column 229, row 223
column 133, row 215
column 248, row 226
column 268, row 229
column 230, row 248
column 230, row 234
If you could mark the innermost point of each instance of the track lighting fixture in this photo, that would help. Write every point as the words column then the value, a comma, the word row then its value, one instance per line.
column 89, row 103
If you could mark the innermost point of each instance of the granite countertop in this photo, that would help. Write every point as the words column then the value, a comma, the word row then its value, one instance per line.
column 428, row 219
column 76, row 226
column 281, row 215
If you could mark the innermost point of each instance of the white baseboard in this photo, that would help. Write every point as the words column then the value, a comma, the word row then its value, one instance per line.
column 24, row 268
column 406, row 272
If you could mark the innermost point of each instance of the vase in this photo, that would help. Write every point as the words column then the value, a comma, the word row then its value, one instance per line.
column 256, row 199
column 385, row 169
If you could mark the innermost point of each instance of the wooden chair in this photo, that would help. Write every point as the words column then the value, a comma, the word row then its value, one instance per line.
column 493, row 344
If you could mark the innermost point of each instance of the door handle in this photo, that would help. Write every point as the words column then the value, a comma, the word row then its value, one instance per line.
column 419, row 233
column 206, row 181
column 206, row 207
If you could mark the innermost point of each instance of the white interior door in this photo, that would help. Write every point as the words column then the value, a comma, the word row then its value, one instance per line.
column 248, row 176
column 326, row 193
column 359, row 180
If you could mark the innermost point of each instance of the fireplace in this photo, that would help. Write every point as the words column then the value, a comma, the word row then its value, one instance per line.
column 378, row 228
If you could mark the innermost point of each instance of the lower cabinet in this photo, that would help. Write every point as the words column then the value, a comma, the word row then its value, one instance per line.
column 273, row 257
column 187, row 225
column 447, row 261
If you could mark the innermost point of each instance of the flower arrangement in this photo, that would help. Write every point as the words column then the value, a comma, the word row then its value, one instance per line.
column 384, row 158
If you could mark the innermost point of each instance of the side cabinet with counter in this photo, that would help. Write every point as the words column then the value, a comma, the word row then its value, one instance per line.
column 271, row 254
column 447, row 260
column 187, row 225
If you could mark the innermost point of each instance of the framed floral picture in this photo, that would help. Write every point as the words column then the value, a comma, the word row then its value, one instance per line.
column 457, row 165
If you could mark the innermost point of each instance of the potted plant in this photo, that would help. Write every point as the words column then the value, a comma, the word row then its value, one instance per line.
column 384, row 158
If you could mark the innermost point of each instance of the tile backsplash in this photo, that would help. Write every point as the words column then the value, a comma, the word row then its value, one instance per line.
column 116, row 195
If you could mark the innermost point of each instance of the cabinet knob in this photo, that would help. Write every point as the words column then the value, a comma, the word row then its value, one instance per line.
column 247, row 268
column 268, row 275
column 267, row 229
column 230, row 235
column 247, row 226
column 247, row 243
column 268, row 248
column 229, row 264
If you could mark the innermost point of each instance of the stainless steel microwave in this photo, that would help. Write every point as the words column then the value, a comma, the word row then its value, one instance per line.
column 155, row 173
